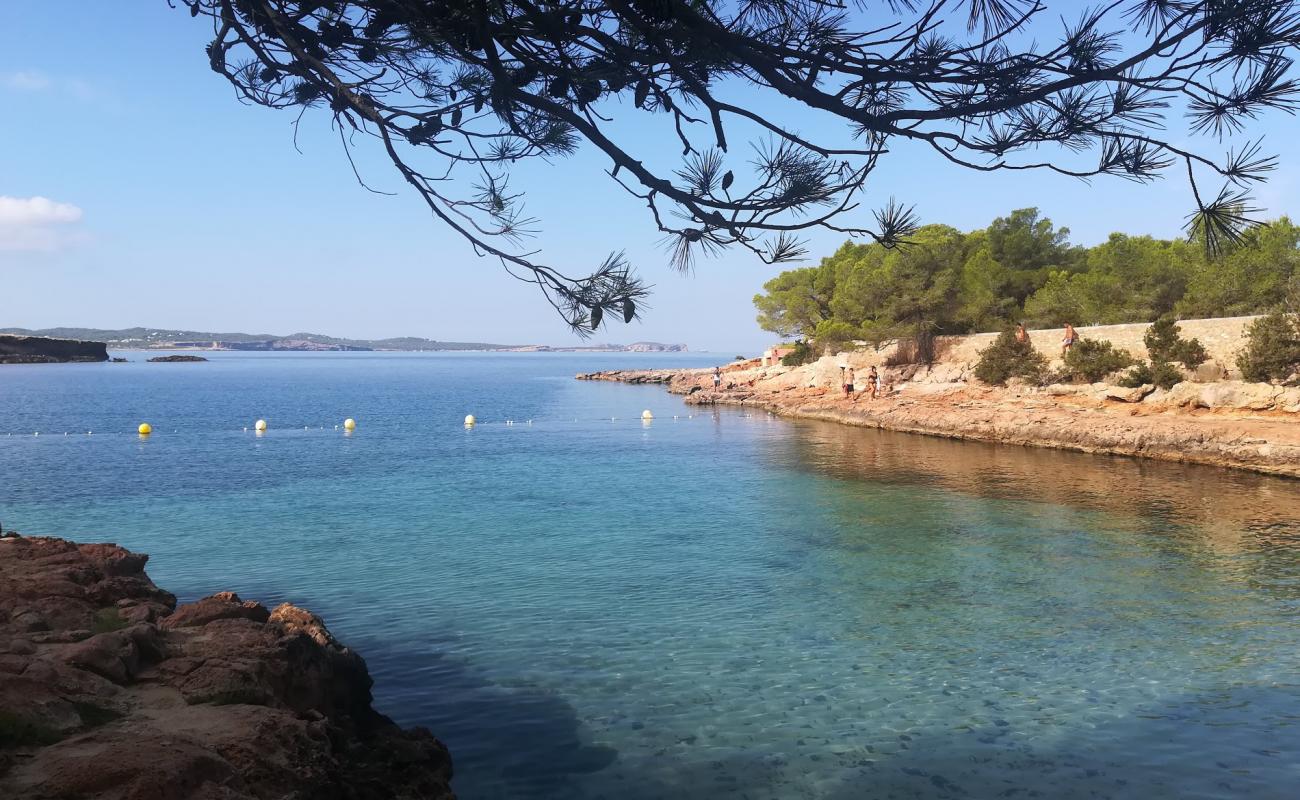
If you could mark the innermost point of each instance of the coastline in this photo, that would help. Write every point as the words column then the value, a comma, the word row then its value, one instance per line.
column 109, row 689
column 16, row 349
column 1254, row 427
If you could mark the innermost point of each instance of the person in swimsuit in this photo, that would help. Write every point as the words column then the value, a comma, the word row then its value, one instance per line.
column 873, row 383
column 717, row 378
column 1070, row 338
column 848, row 384
column 1022, row 335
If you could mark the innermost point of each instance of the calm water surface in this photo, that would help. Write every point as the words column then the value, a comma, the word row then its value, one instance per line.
column 717, row 605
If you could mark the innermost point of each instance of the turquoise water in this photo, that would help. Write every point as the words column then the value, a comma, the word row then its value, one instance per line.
column 712, row 605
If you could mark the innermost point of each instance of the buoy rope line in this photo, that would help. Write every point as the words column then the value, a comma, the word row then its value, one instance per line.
column 147, row 430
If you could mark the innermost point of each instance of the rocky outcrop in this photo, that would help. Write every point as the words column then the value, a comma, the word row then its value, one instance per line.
column 44, row 350
column 176, row 359
column 108, row 690
column 639, row 375
column 1248, row 426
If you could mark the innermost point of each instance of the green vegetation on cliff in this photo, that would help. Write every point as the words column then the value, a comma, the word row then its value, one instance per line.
column 1272, row 349
column 1022, row 268
column 1009, row 357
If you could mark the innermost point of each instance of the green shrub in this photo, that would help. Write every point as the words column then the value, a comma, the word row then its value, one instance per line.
column 1094, row 359
column 1272, row 350
column 1008, row 358
column 802, row 354
column 1159, row 373
column 1191, row 353
column 1166, row 375
column 1165, row 343
column 1140, row 375
column 106, row 620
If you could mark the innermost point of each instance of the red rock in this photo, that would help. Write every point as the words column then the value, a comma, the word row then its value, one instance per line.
column 33, row 700
column 111, row 655
column 13, row 663
column 222, row 605
column 70, row 681
column 114, row 560
column 222, row 700
column 22, row 647
column 29, row 620
column 120, row 764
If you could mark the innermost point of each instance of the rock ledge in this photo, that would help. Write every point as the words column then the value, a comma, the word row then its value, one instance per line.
column 1249, row 426
column 108, row 690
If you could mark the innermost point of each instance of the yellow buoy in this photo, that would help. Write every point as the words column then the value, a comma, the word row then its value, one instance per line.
column 349, row 424
column 647, row 415
column 145, row 429
column 469, row 420
column 260, row 425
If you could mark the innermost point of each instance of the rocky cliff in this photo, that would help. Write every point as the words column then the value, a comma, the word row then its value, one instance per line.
column 108, row 690
column 44, row 350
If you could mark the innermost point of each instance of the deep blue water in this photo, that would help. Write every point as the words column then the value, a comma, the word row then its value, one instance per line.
column 708, row 605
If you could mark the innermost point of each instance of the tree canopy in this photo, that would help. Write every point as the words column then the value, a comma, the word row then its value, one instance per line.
column 952, row 282
column 454, row 92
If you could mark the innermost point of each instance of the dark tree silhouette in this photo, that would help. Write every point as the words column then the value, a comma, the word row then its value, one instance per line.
column 456, row 91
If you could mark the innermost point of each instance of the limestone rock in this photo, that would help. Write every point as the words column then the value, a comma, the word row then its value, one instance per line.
column 1212, row 370
column 1066, row 389
column 1126, row 395
column 1252, row 426
column 1234, row 396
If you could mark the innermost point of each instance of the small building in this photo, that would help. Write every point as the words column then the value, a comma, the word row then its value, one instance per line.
column 772, row 356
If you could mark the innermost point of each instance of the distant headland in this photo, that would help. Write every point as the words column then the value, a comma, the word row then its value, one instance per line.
column 170, row 339
column 27, row 349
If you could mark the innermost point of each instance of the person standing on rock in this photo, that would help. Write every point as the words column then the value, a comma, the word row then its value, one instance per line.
column 717, row 378
column 848, row 383
column 1022, row 335
column 873, row 382
column 1070, row 338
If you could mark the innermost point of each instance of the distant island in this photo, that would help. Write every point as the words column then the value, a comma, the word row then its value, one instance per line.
column 167, row 339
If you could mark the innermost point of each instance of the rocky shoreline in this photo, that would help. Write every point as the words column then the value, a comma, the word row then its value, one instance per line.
column 108, row 689
column 1232, row 424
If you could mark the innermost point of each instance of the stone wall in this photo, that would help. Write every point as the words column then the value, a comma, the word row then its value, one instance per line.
column 1223, row 339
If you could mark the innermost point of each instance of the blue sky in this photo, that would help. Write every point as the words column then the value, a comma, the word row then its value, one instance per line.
column 173, row 205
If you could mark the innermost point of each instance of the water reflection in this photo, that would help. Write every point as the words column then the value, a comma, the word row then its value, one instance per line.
column 1233, row 510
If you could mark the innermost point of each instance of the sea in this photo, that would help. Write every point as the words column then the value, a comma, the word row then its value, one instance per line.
column 582, row 603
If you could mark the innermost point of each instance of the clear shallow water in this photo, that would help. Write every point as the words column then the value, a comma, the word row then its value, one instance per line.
column 727, row 605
